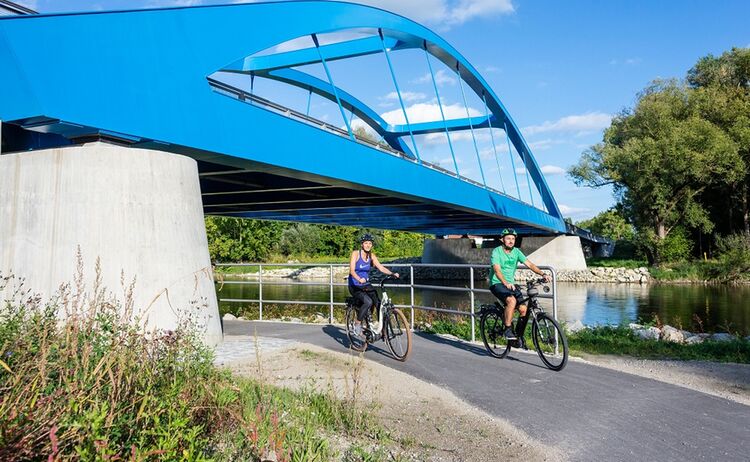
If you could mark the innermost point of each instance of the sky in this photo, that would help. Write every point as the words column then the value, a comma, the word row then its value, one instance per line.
column 562, row 69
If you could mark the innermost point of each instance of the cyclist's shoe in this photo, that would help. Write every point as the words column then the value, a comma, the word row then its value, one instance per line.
column 519, row 343
column 357, row 330
column 509, row 334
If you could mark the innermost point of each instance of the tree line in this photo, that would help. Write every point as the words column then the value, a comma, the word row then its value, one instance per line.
column 679, row 164
column 233, row 240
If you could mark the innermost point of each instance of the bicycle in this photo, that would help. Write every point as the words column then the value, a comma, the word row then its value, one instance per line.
column 395, row 331
column 546, row 333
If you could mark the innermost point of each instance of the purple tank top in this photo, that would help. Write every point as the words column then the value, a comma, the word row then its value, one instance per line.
column 362, row 268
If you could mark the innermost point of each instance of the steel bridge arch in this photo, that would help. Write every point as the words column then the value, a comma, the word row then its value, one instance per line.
column 146, row 83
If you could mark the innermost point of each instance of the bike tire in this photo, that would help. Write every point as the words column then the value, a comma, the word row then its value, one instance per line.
column 355, row 343
column 543, row 333
column 491, row 327
column 398, row 335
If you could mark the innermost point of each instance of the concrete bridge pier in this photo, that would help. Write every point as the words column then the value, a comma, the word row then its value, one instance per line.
column 139, row 211
column 561, row 252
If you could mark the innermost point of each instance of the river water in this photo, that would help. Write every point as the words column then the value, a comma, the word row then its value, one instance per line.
column 692, row 307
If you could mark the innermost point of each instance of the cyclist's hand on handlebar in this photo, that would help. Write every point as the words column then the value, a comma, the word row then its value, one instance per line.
column 509, row 286
column 362, row 280
column 396, row 275
column 547, row 278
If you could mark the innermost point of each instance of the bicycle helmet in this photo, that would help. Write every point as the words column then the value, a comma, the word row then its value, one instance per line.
column 508, row 231
column 366, row 237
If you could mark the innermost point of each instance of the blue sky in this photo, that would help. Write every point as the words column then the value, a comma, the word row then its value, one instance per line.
column 561, row 69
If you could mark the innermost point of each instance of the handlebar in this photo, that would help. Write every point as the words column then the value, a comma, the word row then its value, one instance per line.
column 387, row 278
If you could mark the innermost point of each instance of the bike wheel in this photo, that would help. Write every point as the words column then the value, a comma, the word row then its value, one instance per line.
column 491, row 326
column 544, row 332
column 355, row 343
column 398, row 334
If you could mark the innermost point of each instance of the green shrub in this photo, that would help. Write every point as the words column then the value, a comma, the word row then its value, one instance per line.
column 734, row 256
column 95, row 387
column 677, row 246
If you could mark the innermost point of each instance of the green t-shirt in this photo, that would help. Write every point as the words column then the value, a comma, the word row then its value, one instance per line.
column 508, row 263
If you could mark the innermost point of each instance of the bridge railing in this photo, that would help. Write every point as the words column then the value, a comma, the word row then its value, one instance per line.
column 471, row 290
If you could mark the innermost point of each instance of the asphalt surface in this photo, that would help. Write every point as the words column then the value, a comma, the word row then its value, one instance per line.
column 589, row 412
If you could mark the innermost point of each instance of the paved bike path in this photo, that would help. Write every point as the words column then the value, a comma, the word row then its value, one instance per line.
column 591, row 413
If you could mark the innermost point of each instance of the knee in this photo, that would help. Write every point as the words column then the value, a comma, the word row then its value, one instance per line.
column 366, row 303
column 522, row 310
column 510, row 302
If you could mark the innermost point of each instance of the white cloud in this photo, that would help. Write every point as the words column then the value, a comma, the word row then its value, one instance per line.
column 543, row 145
column 492, row 69
column 590, row 121
column 407, row 96
column 444, row 12
column 628, row 61
column 573, row 211
column 441, row 78
column 553, row 170
column 428, row 112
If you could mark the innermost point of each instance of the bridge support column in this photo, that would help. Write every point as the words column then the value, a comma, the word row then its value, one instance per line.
column 139, row 211
column 562, row 252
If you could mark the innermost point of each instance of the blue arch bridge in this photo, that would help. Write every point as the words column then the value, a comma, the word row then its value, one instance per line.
column 214, row 83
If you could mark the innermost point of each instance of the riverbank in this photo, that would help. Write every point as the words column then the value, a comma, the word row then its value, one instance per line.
column 639, row 275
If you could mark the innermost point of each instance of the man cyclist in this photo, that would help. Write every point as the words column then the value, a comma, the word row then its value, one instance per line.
column 360, row 262
column 504, row 261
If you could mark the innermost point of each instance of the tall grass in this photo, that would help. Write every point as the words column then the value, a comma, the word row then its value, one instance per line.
column 79, row 380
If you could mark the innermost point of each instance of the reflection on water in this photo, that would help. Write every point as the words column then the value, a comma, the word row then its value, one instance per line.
column 692, row 307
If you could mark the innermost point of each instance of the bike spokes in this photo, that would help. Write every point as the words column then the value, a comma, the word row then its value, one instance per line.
column 356, row 342
column 492, row 326
column 550, row 343
column 398, row 334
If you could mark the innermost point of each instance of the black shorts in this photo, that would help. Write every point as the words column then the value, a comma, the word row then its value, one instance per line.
column 502, row 292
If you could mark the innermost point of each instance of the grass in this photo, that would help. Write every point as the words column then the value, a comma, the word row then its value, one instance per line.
column 96, row 387
column 620, row 340
column 616, row 263
column 617, row 340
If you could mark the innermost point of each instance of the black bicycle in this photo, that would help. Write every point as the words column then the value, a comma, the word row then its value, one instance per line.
column 548, row 338
column 391, row 326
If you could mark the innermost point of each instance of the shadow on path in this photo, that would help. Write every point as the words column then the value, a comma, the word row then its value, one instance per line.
column 339, row 335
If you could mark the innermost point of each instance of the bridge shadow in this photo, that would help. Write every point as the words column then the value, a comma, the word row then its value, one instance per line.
column 339, row 335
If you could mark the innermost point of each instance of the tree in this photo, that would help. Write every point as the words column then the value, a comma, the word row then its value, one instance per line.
column 721, row 93
column 610, row 224
column 237, row 239
column 659, row 157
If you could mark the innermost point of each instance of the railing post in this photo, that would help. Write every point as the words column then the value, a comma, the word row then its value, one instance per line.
column 260, row 292
column 411, row 290
column 471, row 285
column 330, row 317
column 554, row 306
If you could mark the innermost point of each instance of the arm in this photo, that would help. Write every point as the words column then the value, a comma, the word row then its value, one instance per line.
column 352, row 265
column 536, row 269
column 500, row 276
column 382, row 268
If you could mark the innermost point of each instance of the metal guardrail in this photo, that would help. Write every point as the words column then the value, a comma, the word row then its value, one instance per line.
column 471, row 290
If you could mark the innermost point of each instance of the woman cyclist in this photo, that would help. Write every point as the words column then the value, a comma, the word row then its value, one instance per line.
column 359, row 285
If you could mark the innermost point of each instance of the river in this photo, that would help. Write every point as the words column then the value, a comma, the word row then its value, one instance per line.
column 694, row 307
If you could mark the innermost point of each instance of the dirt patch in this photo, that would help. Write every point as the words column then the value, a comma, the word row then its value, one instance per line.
column 424, row 422
column 726, row 380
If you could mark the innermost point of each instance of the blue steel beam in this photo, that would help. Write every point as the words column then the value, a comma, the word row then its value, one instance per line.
column 305, row 56
column 162, row 94
column 349, row 102
column 451, row 125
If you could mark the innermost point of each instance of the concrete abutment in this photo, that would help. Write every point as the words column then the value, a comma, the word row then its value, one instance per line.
column 138, row 211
